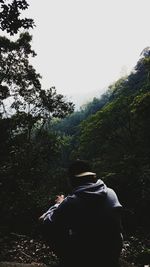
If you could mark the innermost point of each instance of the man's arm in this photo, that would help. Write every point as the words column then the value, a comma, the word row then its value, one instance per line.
column 47, row 215
column 53, row 226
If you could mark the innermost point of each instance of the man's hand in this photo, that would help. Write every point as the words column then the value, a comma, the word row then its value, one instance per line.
column 41, row 218
column 59, row 198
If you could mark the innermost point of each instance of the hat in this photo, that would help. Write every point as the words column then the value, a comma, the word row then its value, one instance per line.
column 80, row 168
column 85, row 174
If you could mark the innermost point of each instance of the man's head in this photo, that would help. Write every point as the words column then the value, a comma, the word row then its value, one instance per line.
column 80, row 172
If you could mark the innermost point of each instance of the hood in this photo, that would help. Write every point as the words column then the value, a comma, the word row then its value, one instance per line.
column 92, row 189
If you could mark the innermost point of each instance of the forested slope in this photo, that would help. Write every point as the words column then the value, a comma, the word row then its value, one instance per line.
column 39, row 138
column 115, row 137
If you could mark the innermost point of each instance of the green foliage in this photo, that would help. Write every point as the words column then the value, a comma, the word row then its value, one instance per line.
column 20, row 86
column 29, row 154
column 116, row 140
column 113, row 133
column 29, row 175
column 10, row 18
column 69, row 125
column 39, row 135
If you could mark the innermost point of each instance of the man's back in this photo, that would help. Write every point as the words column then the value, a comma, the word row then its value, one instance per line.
column 88, row 226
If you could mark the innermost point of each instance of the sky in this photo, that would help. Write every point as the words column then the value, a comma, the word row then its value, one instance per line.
column 83, row 46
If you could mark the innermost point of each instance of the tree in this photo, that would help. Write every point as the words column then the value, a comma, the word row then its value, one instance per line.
column 28, row 152
column 117, row 140
column 10, row 16
column 21, row 95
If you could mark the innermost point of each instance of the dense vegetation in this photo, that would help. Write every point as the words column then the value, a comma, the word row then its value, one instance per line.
column 28, row 152
column 115, row 138
column 40, row 134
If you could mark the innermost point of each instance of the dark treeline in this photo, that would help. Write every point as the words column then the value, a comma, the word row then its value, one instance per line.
column 40, row 134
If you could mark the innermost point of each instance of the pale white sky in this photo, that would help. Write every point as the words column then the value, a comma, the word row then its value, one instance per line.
column 83, row 45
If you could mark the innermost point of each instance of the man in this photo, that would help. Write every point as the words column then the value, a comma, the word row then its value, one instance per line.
column 85, row 227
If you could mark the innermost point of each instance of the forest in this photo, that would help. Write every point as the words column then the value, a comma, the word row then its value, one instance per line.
column 41, row 133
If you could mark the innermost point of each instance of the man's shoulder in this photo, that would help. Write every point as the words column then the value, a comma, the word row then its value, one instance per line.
column 112, row 199
column 69, row 200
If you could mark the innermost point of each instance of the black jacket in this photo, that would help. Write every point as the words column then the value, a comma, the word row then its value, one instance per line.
column 86, row 225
